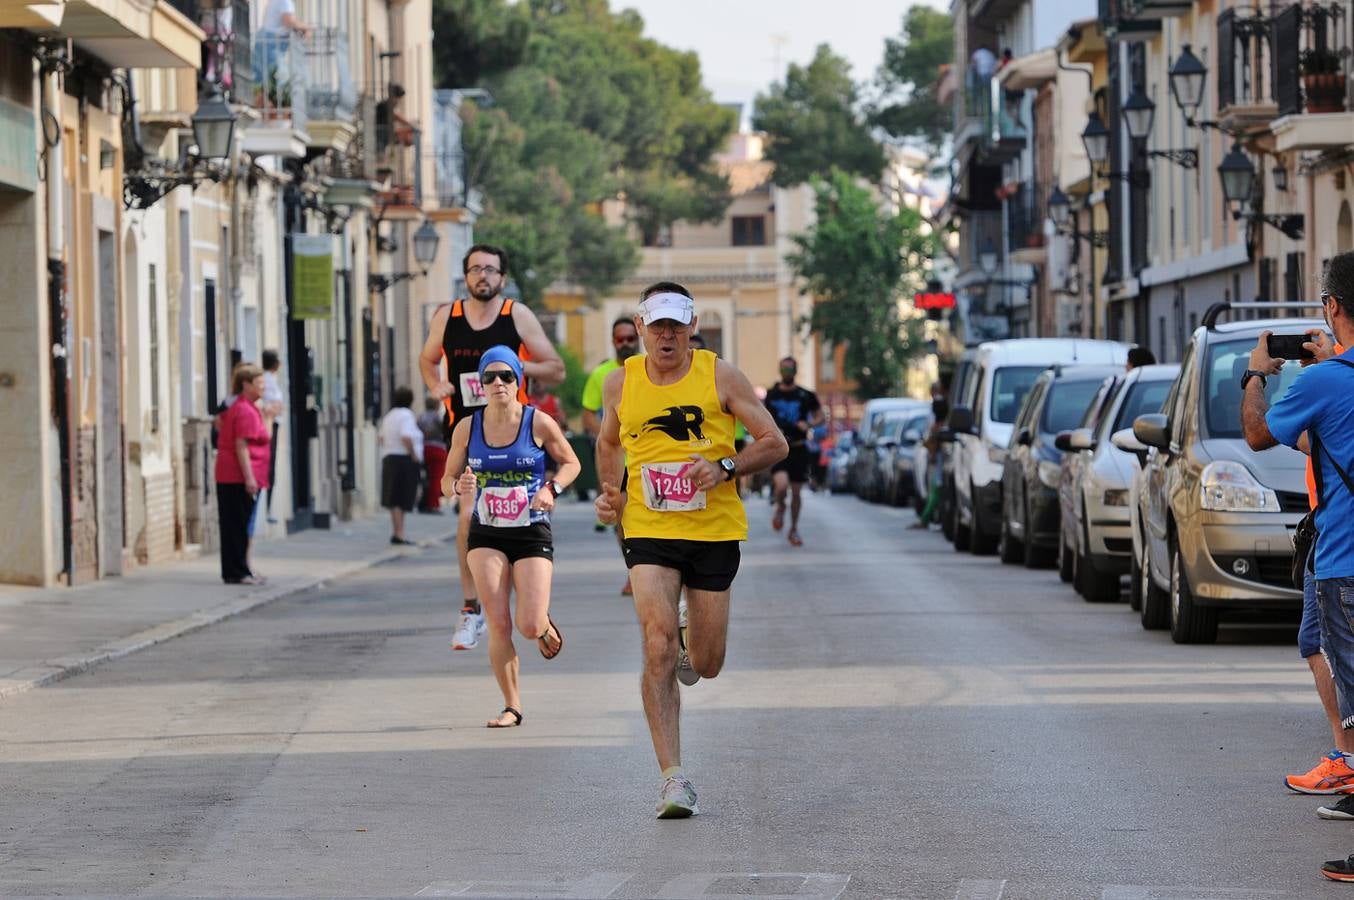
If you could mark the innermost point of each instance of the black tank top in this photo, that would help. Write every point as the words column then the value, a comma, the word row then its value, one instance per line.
column 462, row 347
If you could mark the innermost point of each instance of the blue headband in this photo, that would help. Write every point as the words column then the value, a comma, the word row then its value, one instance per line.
column 501, row 354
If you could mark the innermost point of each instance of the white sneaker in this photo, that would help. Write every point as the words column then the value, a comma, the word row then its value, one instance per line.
column 677, row 800
column 468, row 633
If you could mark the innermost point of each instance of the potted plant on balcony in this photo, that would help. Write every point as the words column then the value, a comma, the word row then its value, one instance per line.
column 1322, row 81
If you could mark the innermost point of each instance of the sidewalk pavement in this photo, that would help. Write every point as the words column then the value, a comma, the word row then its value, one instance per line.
column 47, row 634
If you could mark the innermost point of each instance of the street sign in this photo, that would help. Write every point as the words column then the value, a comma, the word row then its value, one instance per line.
column 312, row 276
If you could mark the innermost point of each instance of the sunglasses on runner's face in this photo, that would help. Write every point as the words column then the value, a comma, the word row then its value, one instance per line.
column 504, row 375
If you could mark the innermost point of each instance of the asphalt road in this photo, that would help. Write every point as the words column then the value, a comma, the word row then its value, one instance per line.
column 894, row 720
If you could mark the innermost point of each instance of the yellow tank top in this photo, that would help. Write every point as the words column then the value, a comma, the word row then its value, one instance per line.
column 661, row 427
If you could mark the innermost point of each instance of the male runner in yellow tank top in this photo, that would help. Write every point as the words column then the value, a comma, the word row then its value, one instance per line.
column 669, row 425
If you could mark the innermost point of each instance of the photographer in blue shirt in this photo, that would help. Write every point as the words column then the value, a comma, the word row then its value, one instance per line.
column 1317, row 413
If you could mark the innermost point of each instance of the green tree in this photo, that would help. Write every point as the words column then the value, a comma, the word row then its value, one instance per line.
column 907, row 106
column 814, row 123
column 595, row 111
column 858, row 261
column 476, row 39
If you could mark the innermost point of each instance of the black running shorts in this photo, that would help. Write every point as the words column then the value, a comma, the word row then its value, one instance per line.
column 515, row 543
column 797, row 463
column 704, row 565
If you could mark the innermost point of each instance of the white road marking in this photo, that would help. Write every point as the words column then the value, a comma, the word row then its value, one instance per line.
column 598, row 884
column 794, row 886
column 1147, row 892
column 980, row 889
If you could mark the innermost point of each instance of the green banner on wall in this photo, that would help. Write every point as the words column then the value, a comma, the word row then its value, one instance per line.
column 312, row 276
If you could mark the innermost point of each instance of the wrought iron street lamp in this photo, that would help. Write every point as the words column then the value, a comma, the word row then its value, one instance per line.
column 1237, row 173
column 1095, row 137
column 1187, row 76
column 1059, row 208
column 214, row 126
column 425, row 252
column 1138, row 112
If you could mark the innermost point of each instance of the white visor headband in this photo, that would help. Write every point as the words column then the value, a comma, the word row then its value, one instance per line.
column 667, row 305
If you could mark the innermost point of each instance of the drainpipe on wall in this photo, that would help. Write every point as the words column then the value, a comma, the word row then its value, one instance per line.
column 57, row 321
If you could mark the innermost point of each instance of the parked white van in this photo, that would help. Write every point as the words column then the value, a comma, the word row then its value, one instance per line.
column 982, row 418
column 872, row 419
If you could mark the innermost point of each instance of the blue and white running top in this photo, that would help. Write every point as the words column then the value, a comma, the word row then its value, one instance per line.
column 509, row 477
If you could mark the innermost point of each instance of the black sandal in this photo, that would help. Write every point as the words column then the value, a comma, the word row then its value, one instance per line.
column 559, row 635
column 514, row 713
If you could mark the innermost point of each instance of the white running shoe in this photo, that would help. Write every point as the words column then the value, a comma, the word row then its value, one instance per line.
column 468, row 633
column 677, row 799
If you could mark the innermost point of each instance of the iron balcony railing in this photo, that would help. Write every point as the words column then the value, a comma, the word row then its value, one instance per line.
column 330, row 94
column 281, row 82
column 980, row 233
column 1025, row 218
column 1244, row 56
column 1311, row 59
column 227, row 52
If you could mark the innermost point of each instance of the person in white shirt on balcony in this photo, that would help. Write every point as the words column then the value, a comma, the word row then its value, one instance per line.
column 274, row 37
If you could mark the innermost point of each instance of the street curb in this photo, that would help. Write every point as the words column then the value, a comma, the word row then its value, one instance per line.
column 52, row 671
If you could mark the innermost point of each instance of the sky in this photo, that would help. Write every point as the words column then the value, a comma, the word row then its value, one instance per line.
column 739, row 40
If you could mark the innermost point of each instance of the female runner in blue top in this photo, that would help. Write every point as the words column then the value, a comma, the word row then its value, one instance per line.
column 500, row 455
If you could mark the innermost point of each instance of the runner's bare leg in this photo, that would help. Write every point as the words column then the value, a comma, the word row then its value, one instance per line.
column 657, row 590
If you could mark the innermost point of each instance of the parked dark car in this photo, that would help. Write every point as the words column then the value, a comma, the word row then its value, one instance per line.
column 1056, row 402
column 900, row 488
column 873, row 470
column 839, row 462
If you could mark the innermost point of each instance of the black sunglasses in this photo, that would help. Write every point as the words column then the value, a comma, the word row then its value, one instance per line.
column 503, row 375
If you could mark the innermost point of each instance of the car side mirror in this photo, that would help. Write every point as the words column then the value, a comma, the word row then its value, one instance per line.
column 888, row 444
column 1154, row 430
column 911, row 436
column 1081, row 439
column 1024, row 437
column 961, row 420
column 1063, row 441
column 1126, row 441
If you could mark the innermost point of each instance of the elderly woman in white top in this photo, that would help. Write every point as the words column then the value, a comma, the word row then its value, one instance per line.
column 401, row 461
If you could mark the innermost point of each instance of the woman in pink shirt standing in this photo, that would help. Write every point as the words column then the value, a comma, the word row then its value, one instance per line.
column 241, row 472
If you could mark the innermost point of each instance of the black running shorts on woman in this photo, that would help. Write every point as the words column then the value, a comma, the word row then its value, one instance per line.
column 704, row 565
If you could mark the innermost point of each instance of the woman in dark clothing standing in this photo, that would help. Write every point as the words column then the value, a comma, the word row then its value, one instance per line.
column 242, row 445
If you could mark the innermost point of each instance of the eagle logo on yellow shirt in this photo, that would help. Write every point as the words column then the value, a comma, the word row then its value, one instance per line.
column 681, row 423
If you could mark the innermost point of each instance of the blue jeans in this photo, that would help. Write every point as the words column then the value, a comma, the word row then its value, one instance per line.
column 1309, row 632
column 1335, row 601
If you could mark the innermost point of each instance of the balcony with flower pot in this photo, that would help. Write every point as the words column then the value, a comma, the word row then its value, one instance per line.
column 1312, row 79
column 281, row 84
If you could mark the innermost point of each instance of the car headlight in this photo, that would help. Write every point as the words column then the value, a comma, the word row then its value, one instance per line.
column 1116, row 497
column 1227, row 486
column 1048, row 473
column 996, row 455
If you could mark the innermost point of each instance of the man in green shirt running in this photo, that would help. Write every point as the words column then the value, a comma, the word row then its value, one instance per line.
column 625, row 340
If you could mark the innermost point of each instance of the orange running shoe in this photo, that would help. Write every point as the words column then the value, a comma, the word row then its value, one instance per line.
column 1331, row 776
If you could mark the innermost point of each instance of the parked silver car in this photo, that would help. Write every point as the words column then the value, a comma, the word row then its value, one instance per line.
column 1217, row 517
column 1095, row 545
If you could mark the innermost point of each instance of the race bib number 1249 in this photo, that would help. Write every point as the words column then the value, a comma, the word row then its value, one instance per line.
column 669, row 488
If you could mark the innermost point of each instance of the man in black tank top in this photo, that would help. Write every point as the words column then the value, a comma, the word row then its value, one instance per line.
column 459, row 334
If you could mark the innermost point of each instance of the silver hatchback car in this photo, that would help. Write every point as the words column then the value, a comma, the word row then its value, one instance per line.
column 1093, row 488
column 1217, row 517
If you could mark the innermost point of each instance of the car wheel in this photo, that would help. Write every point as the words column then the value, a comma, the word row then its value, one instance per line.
column 981, row 540
column 963, row 534
column 1156, row 609
column 1190, row 623
column 1135, row 584
column 1035, row 557
column 1064, row 559
column 1096, row 586
column 947, row 513
column 1009, row 548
